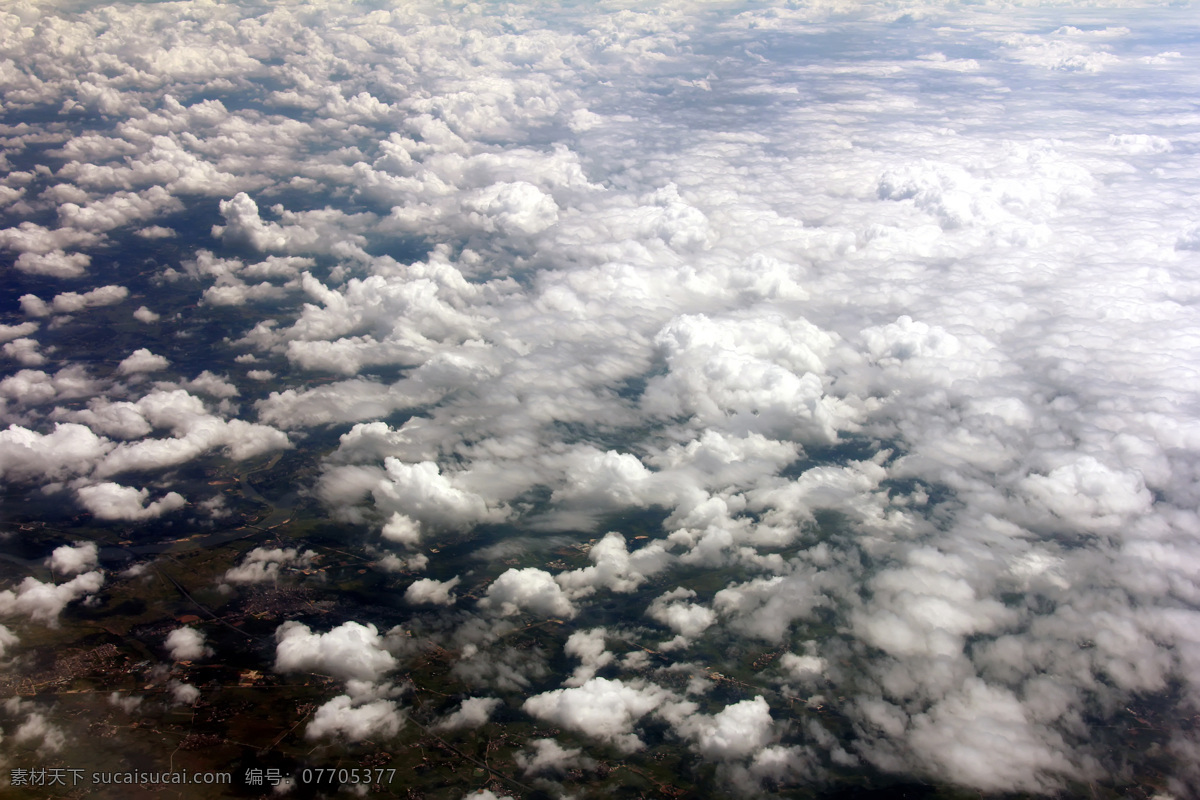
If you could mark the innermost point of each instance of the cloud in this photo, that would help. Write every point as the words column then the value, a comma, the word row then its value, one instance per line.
column 310, row 231
column 909, row 397
column 411, row 494
column 1089, row 494
column 142, row 360
column 350, row 651
column 118, row 210
column 195, row 430
column 529, row 589
column 7, row 640
column 588, row 647
column 393, row 563
column 347, row 401
column 1067, row 49
column 112, row 501
column 928, row 608
column 54, row 264
column 187, row 644
column 183, row 693
column 69, row 449
column 737, row 731
column 402, row 529
column 982, row 736
column 379, row 719
column 212, row 385
column 604, row 709
column 10, row 332
column 516, row 207
column 127, row 703
column 429, row 591
column 69, row 559
column 615, row 568
column 24, row 351
column 766, row 607
column 500, row 669
column 803, row 668
column 143, row 314
column 73, row 302
column 43, row 602
column 36, row 730
column 29, row 388
column 230, row 286
column 243, row 224
column 265, row 564
column 474, row 712
column 486, row 794
column 759, row 375
column 548, row 756
column 687, row 620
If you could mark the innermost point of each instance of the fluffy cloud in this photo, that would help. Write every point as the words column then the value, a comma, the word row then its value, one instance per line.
column 187, row 644
column 412, row 495
column 402, row 529
column 928, row 608
column 69, row 559
column 27, row 389
column 7, row 640
column 378, row 719
column 516, row 207
column 528, row 589
column 195, row 431
column 762, row 375
column 183, row 693
column 24, row 351
column 766, row 607
column 10, row 332
column 588, row 647
column 43, row 250
column 615, row 568
column 37, row 731
column 486, row 794
column 604, row 709
column 687, row 620
column 55, row 264
column 127, row 703
column 802, row 668
column 264, row 564
column 426, row 494
column 548, row 756
column 349, row 651
column 74, row 449
column 142, row 360
column 43, row 602
column 243, row 225
column 118, row 209
column 430, row 591
column 473, row 712
column 68, row 450
column 737, row 731
column 73, row 302
column 983, row 736
column 1089, row 494
column 112, row 501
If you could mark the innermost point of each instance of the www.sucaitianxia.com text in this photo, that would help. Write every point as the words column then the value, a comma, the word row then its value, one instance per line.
column 65, row 776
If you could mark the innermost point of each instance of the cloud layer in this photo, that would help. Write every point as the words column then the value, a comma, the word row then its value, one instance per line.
column 859, row 337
